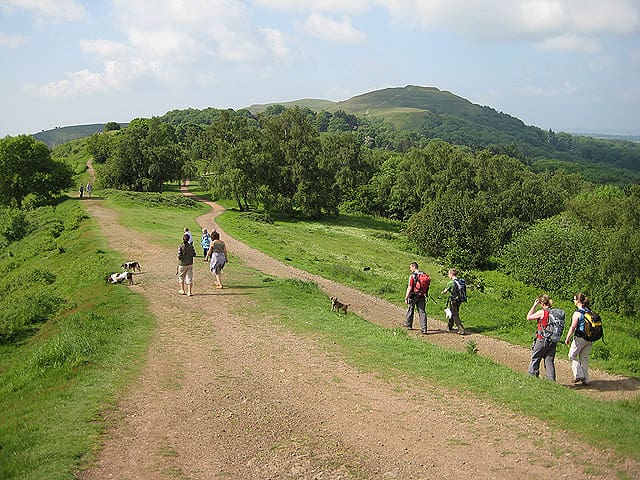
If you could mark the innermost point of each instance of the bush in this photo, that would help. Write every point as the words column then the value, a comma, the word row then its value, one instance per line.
column 13, row 224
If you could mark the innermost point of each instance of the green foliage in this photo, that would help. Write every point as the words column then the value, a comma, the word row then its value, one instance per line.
column 27, row 168
column 13, row 224
column 143, row 156
column 554, row 255
column 72, row 362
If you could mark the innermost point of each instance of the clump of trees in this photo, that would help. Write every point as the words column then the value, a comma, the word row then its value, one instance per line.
column 28, row 169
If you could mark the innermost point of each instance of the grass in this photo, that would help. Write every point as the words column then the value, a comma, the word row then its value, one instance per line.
column 340, row 249
column 301, row 307
column 57, row 376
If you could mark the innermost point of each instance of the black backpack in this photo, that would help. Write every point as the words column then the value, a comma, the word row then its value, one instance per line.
column 459, row 292
column 592, row 326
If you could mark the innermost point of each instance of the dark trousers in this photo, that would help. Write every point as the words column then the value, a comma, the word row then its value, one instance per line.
column 419, row 302
column 455, row 316
column 543, row 349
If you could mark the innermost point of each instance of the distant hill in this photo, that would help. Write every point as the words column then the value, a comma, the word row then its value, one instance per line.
column 61, row 135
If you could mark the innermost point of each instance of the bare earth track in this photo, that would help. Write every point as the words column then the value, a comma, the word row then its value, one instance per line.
column 222, row 396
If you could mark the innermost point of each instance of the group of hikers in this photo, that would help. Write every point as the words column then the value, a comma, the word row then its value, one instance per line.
column 550, row 323
column 214, row 251
column 88, row 189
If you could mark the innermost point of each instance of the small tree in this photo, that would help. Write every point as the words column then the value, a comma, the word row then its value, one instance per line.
column 27, row 167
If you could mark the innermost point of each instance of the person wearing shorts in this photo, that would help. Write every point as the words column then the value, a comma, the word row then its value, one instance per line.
column 186, row 254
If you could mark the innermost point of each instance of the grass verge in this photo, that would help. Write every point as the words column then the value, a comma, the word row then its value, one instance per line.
column 59, row 373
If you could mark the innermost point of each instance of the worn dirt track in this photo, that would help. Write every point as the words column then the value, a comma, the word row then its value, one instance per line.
column 223, row 396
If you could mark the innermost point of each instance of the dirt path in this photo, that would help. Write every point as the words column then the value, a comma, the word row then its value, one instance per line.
column 225, row 396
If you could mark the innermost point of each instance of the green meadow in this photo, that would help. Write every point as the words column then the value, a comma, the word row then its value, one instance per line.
column 61, row 368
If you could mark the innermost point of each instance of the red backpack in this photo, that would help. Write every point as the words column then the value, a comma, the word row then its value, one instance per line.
column 421, row 282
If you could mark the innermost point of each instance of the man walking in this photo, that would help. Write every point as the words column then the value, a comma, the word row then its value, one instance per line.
column 416, row 296
column 457, row 290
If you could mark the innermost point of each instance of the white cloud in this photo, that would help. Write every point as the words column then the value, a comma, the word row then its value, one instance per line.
column 276, row 42
column 103, row 48
column 566, row 89
column 333, row 6
column 116, row 76
column 570, row 42
column 11, row 41
column 324, row 27
column 47, row 10
column 171, row 40
column 537, row 20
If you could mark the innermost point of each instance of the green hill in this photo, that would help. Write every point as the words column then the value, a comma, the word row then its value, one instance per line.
column 60, row 135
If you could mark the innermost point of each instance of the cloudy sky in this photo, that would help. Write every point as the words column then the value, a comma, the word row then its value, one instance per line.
column 570, row 65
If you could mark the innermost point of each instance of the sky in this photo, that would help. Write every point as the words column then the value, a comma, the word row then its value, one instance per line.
column 565, row 65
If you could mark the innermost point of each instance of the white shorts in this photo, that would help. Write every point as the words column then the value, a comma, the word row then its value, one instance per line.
column 185, row 273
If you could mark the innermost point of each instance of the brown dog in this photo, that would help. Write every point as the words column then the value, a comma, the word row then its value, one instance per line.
column 337, row 305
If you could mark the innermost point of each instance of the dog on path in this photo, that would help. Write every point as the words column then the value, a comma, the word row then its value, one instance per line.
column 120, row 277
column 131, row 267
column 337, row 305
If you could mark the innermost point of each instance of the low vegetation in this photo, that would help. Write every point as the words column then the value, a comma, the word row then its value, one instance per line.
column 68, row 342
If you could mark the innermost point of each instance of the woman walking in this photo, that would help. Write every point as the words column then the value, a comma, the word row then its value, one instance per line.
column 580, row 346
column 543, row 348
column 218, row 255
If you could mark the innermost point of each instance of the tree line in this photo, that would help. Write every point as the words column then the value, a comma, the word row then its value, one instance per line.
column 473, row 208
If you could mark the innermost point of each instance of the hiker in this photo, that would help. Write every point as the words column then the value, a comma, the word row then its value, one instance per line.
column 187, row 232
column 81, row 190
column 580, row 346
column 416, row 296
column 218, row 255
column 457, row 290
column 205, row 243
column 186, row 253
column 542, row 348
column 89, row 188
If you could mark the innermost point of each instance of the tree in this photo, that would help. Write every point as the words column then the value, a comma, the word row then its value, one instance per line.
column 227, row 151
column 27, row 168
column 111, row 126
column 144, row 156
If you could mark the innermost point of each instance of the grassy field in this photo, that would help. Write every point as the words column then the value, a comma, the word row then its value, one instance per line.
column 340, row 249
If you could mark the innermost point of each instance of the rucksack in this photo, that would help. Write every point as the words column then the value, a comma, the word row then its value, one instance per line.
column 592, row 326
column 555, row 325
column 459, row 292
column 421, row 282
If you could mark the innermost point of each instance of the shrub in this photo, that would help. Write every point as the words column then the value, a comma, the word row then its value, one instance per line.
column 13, row 224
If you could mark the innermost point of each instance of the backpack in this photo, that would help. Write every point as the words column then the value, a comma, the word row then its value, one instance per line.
column 555, row 325
column 421, row 282
column 592, row 326
column 459, row 292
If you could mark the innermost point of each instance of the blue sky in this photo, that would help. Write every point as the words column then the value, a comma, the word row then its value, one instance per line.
column 571, row 65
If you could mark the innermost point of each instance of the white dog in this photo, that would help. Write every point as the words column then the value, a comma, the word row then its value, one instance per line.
column 120, row 277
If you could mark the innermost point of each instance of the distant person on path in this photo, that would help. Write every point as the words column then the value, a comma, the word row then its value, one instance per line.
column 453, row 288
column 218, row 255
column 580, row 347
column 81, row 190
column 416, row 297
column 205, row 243
column 89, row 188
column 187, row 232
column 186, row 253
column 542, row 348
